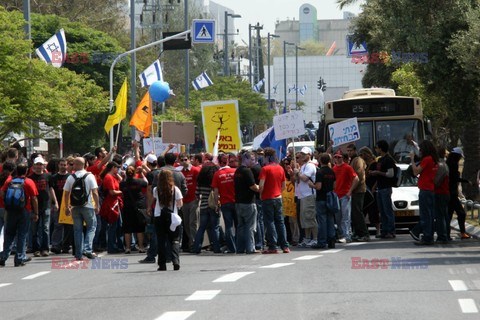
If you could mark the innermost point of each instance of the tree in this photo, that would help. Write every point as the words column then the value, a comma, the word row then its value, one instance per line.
column 31, row 91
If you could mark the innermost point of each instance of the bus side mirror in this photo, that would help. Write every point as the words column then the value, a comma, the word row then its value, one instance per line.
column 427, row 124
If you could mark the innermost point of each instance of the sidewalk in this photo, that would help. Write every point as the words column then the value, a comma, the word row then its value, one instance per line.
column 473, row 231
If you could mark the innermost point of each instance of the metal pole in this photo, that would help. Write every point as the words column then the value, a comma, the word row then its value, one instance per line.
column 257, row 50
column 187, row 63
column 268, row 73
column 296, row 77
column 225, row 47
column 133, row 67
column 28, row 36
column 183, row 34
column 250, row 54
column 284, row 73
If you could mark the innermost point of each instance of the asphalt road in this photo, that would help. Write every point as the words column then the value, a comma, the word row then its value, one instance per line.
column 444, row 283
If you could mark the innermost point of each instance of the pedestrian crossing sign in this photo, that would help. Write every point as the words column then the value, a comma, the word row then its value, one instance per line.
column 203, row 31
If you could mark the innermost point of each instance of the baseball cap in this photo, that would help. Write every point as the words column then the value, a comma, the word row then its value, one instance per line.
column 338, row 154
column 459, row 151
column 306, row 150
column 38, row 160
column 151, row 158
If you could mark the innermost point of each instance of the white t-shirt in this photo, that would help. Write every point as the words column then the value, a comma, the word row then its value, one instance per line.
column 302, row 190
column 90, row 184
column 158, row 206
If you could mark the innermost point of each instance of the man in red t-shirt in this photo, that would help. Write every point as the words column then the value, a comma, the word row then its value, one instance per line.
column 224, row 188
column 190, row 203
column 17, row 223
column 345, row 178
column 99, row 164
column 272, row 182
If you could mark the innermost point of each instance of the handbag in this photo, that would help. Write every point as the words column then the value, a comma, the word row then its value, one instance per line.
column 212, row 204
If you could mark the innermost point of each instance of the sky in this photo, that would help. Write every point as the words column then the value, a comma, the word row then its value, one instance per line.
column 268, row 11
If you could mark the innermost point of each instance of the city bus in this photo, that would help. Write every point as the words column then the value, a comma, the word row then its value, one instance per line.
column 381, row 115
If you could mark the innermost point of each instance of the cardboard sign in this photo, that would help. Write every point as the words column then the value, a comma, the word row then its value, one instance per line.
column 178, row 132
column 160, row 147
column 222, row 115
column 344, row 132
column 288, row 125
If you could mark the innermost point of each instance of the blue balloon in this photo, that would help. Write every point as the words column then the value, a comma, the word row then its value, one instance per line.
column 159, row 91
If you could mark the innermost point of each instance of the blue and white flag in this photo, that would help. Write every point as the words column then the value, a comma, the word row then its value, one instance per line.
column 259, row 85
column 275, row 87
column 302, row 90
column 151, row 74
column 293, row 88
column 202, row 81
column 53, row 51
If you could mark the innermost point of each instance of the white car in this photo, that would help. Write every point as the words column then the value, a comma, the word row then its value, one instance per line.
column 405, row 200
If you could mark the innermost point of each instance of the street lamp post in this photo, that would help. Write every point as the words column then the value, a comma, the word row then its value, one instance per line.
column 296, row 75
column 285, row 70
column 268, row 59
column 226, row 69
column 256, row 27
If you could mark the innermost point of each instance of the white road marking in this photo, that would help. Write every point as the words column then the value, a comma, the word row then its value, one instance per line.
column 4, row 284
column 175, row 315
column 277, row 265
column 232, row 277
column 36, row 275
column 355, row 243
column 203, row 295
column 311, row 257
column 468, row 305
column 458, row 285
column 332, row 251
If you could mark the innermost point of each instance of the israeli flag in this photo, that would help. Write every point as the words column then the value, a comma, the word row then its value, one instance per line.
column 259, row 85
column 293, row 88
column 274, row 88
column 53, row 51
column 151, row 74
column 202, row 81
column 302, row 90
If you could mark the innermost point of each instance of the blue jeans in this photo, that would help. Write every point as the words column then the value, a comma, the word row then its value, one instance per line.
column 426, row 203
column 275, row 223
column 228, row 212
column 441, row 216
column 247, row 218
column 326, row 224
column 260, row 229
column 384, row 200
column 16, row 224
column 210, row 221
column 152, row 249
column 115, row 236
column 2, row 219
column 57, row 234
column 344, row 219
column 40, row 231
column 79, row 215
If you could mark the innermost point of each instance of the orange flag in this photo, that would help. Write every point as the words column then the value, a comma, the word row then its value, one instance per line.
column 332, row 48
column 142, row 118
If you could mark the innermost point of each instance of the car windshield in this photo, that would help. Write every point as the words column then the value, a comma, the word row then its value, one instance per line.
column 408, row 180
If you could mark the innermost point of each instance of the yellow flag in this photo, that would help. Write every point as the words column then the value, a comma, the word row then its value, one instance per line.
column 142, row 118
column 119, row 110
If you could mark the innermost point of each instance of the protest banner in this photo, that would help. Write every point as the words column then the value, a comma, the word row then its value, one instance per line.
column 178, row 132
column 289, row 125
column 343, row 132
column 160, row 147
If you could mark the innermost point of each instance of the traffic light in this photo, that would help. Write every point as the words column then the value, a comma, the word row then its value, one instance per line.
column 324, row 85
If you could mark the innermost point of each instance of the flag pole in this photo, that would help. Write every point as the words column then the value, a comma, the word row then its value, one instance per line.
column 152, row 137
column 118, row 132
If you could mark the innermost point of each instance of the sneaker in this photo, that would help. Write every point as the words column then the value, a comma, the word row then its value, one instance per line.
column 270, row 251
column 27, row 259
column 146, row 260
column 342, row 240
column 465, row 235
column 304, row 243
column 20, row 264
column 286, row 250
column 414, row 236
column 90, row 255
column 44, row 253
column 176, row 267
column 36, row 254
column 312, row 243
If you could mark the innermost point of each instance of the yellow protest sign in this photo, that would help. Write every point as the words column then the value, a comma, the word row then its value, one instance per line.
column 221, row 115
column 62, row 217
column 288, row 200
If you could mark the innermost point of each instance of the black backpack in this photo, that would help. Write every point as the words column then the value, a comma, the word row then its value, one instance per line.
column 397, row 176
column 79, row 195
column 15, row 195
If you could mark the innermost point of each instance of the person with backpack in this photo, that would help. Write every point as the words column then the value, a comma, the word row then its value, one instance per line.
column 80, row 188
column 427, row 170
column 8, row 167
column 20, row 197
column 385, row 175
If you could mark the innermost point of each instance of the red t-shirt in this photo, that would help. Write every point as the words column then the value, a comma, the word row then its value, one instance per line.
column 191, row 179
column 30, row 191
column 110, row 183
column 444, row 188
column 274, row 176
column 95, row 170
column 223, row 180
column 344, row 176
column 429, row 170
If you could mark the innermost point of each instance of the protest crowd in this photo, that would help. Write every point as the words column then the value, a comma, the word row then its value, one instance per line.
column 161, row 205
